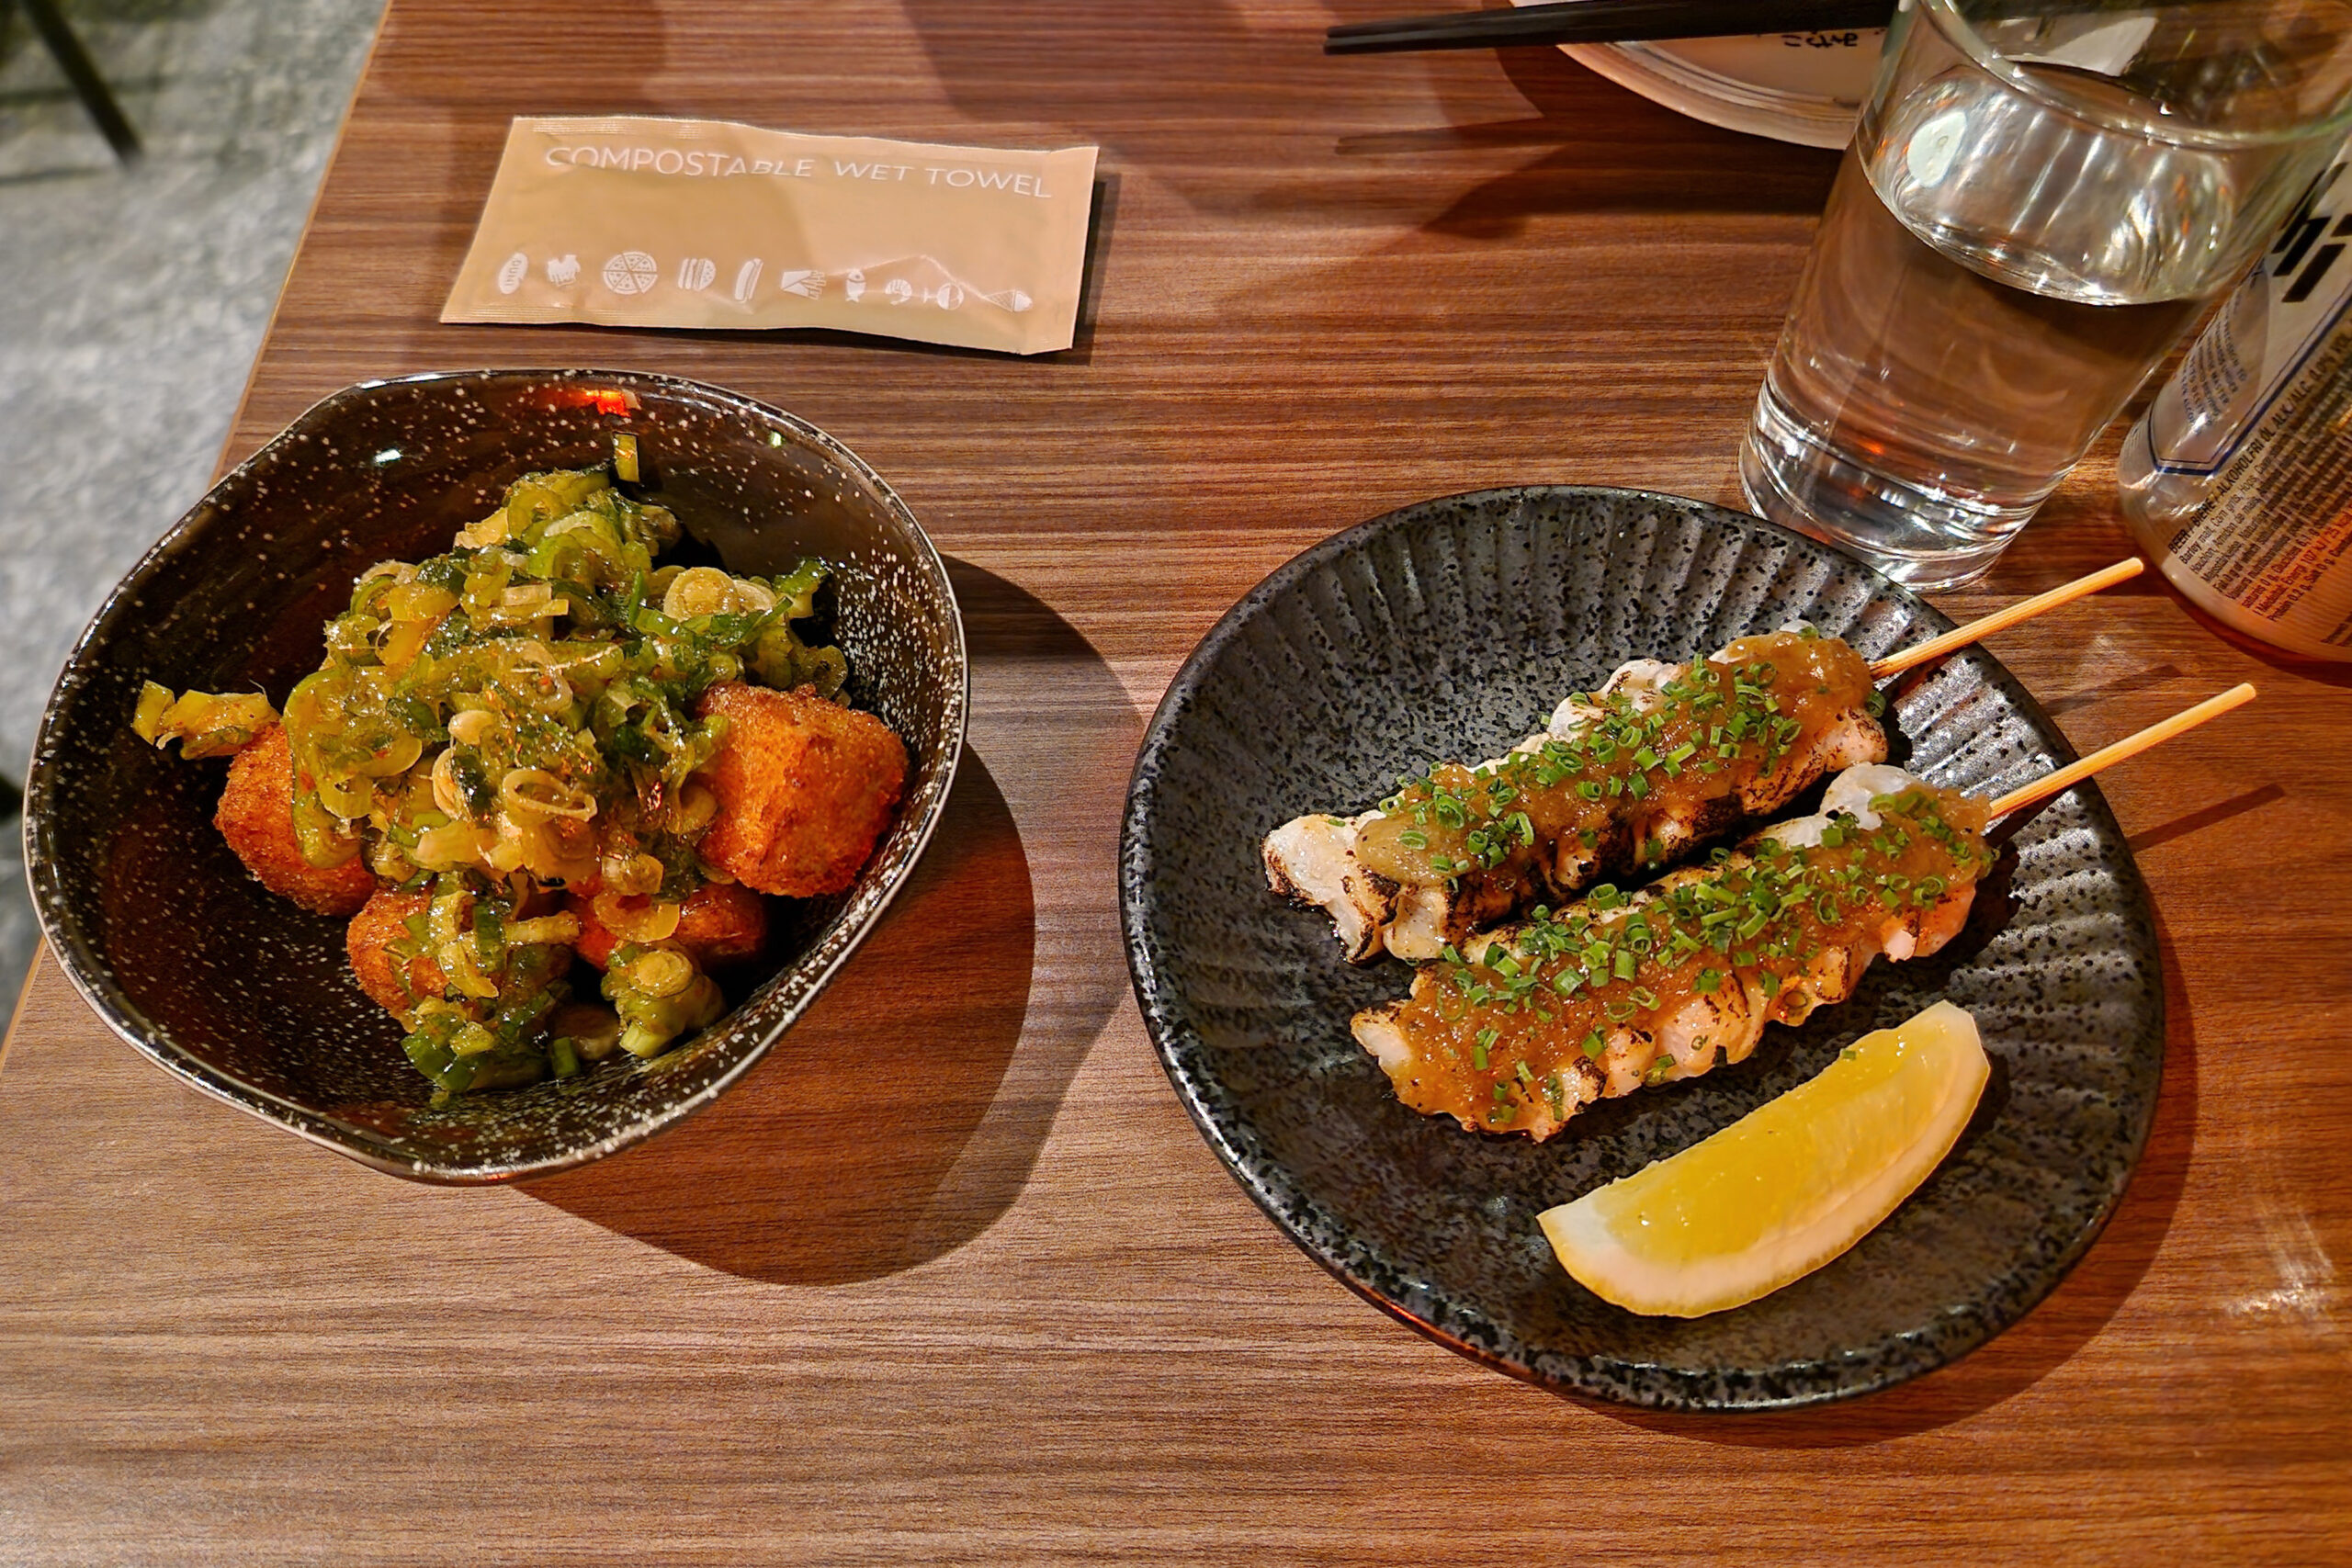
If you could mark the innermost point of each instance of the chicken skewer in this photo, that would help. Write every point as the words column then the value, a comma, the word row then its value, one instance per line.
column 2024, row 610
column 1623, row 781
column 1518, row 1029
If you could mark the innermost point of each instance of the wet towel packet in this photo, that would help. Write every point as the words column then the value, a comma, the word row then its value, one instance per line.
column 644, row 222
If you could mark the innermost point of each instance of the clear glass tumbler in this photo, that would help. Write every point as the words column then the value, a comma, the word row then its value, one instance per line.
column 2041, row 198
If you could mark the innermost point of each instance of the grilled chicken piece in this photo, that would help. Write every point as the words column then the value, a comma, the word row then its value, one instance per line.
column 1312, row 860
column 1691, row 1033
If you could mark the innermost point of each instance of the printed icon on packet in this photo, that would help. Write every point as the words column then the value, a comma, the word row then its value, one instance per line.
column 631, row 272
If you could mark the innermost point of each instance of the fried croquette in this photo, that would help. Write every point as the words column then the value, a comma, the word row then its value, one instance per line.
column 374, row 929
column 256, row 816
column 804, row 787
column 718, row 924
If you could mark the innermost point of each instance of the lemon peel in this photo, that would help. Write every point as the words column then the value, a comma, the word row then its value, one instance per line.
column 1786, row 1188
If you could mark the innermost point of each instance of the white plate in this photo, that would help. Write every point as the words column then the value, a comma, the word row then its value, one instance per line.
column 1802, row 87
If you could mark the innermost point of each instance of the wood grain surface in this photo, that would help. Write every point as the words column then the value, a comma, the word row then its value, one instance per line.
column 1040, row 1323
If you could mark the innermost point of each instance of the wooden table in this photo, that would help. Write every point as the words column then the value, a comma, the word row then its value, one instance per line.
column 1048, row 1326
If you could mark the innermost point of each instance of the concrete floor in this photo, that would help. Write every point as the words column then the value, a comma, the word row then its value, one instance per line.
column 135, row 302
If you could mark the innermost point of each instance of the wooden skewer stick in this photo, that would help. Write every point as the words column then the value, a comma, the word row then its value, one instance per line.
column 2129, row 746
column 2000, row 620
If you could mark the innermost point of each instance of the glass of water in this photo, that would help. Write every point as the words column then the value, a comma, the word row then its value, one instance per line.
column 2041, row 198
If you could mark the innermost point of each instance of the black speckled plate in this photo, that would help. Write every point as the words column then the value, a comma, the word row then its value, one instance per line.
column 1450, row 629
column 249, row 998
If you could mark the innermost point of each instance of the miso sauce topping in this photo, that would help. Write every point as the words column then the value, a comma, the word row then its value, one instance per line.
column 1720, row 724
column 1498, row 1027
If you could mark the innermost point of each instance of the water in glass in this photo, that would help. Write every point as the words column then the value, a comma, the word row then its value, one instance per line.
column 1991, row 284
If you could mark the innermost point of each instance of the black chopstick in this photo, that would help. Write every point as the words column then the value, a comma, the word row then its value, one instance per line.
column 1605, row 21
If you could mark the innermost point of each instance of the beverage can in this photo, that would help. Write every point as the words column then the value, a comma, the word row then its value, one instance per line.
column 2238, row 479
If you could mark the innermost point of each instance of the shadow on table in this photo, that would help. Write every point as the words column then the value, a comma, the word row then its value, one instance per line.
column 825, row 1163
column 1151, row 82
column 2327, row 673
column 2049, row 1334
column 902, row 1114
column 1612, row 151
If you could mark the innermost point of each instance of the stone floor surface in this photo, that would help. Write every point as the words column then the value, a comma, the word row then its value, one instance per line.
column 134, row 301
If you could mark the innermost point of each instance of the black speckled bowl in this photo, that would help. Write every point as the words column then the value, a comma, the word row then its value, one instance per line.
column 1449, row 630
column 248, row 997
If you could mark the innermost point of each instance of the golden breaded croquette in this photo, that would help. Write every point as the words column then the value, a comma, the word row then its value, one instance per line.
column 721, row 923
column 369, row 941
column 804, row 787
column 256, row 816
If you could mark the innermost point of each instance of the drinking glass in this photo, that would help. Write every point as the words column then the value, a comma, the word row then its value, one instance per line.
column 2040, row 200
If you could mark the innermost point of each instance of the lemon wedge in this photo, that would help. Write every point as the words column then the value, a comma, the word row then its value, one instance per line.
column 1786, row 1188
